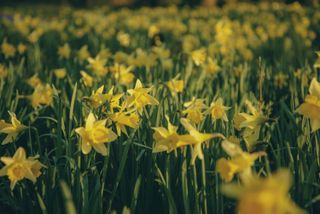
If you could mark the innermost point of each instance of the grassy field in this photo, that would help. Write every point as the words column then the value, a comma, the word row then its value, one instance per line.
column 160, row 110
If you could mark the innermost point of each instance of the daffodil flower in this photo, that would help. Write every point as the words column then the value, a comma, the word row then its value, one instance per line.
column 139, row 97
column 167, row 139
column 19, row 167
column 199, row 56
column 197, row 139
column 195, row 110
column 218, row 110
column 251, row 124
column 175, row 86
column 96, row 135
column 97, row 66
column 264, row 195
column 240, row 162
column 42, row 95
column 12, row 130
column 311, row 106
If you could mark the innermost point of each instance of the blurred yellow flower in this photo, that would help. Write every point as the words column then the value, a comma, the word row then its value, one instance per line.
column 60, row 73
column 95, row 135
column 22, row 48
column 280, row 80
column 86, row 78
column 8, row 50
column 97, row 98
column 175, row 86
column 264, row 195
column 199, row 56
column 311, row 106
column 19, row 167
column 240, row 162
column 64, row 51
column 3, row 71
column 42, row 95
column 212, row 66
column 122, row 73
column 83, row 53
column 98, row 66
column 34, row 81
column 123, row 38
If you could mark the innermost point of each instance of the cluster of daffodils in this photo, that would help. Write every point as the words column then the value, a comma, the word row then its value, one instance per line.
column 19, row 166
column 123, row 115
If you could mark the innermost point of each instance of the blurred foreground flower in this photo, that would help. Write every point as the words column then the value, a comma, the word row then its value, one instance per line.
column 264, row 195
column 311, row 106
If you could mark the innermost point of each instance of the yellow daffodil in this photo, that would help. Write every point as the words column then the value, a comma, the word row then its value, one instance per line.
column 264, row 195
column 311, row 106
column 12, row 130
column 317, row 62
column 175, row 86
column 139, row 97
column 64, row 51
column 34, row 81
column 3, row 71
column 22, row 48
column 197, row 139
column 123, row 119
column 195, row 110
column 96, row 135
column 251, row 124
column 240, row 162
column 199, row 56
column 20, row 167
column 60, row 73
column 212, row 66
column 97, row 98
column 218, row 110
column 86, row 78
column 122, row 74
column 83, row 53
column 123, row 38
column 8, row 50
column 167, row 139
column 97, row 66
column 42, row 95
column 280, row 80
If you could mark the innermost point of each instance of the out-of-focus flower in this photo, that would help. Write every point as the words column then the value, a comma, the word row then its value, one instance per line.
column 22, row 48
column 199, row 56
column 98, row 66
column 60, row 73
column 3, row 71
column 311, row 106
column 280, row 80
column 122, row 73
column 123, row 38
column 87, row 79
column 175, row 86
column 42, row 95
column 34, row 81
column 264, row 195
column 83, row 53
column 8, row 50
column 212, row 66
column 64, row 51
